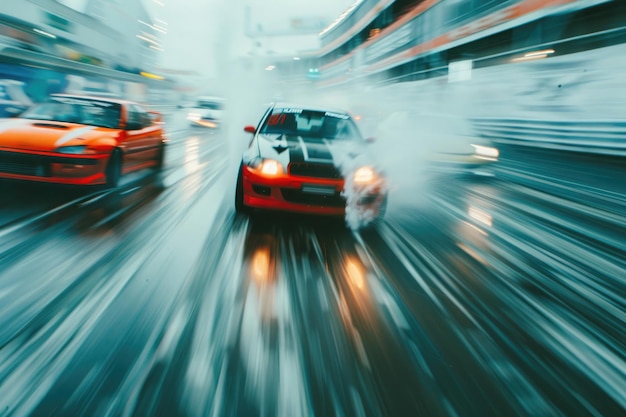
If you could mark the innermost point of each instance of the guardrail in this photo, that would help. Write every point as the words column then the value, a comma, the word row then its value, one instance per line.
column 603, row 137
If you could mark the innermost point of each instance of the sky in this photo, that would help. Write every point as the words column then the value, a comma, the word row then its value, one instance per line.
column 201, row 32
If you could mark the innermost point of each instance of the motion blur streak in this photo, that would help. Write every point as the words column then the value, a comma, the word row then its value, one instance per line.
column 495, row 285
column 499, row 296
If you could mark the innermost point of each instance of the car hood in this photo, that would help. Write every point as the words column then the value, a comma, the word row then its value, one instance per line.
column 46, row 136
column 344, row 154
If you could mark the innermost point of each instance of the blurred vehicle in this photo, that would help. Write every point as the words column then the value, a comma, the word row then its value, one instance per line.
column 80, row 140
column 207, row 112
column 367, row 116
column 96, row 92
column 13, row 99
column 309, row 160
column 447, row 143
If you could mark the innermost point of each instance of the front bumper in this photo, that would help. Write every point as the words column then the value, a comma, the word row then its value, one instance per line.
column 296, row 194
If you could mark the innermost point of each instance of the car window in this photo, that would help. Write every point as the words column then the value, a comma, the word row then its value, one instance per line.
column 140, row 114
column 101, row 116
column 74, row 110
column 310, row 124
column 134, row 119
column 209, row 105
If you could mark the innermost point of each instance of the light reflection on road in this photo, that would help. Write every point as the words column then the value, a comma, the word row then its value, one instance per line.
column 498, row 299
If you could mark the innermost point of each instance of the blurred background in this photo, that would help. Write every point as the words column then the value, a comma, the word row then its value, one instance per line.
column 494, row 286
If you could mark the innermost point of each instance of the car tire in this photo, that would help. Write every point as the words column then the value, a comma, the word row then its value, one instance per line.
column 240, row 207
column 160, row 159
column 113, row 171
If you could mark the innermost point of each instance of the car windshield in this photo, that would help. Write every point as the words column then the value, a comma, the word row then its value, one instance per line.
column 82, row 111
column 210, row 105
column 311, row 124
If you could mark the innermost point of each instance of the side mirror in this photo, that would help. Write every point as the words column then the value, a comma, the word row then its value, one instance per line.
column 249, row 129
column 156, row 116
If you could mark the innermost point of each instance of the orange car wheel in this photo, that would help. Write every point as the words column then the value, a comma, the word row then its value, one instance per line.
column 160, row 160
column 114, row 169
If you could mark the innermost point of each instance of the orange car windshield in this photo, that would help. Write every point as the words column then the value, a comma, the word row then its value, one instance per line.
column 87, row 112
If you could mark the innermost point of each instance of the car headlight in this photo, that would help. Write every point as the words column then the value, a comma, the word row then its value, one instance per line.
column 268, row 167
column 73, row 150
column 486, row 152
column 194, row 116
column 208, row 123
column 364, row 175
column 271, row 167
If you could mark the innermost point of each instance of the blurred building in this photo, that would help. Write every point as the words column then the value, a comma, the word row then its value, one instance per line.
column 97, row 47
column 284, row 47
column 387, row 41
column 116, row 34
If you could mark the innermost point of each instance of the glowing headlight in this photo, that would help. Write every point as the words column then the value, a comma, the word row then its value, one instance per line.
column 271, row 167
column 364, row 175
column 486, row 152
column 74, row 150
column 194, row 116
column 209, row 124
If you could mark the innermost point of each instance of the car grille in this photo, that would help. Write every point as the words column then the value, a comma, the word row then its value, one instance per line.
column 36, row 165
column 314, row 170
column 23, row 165
column 297, row 196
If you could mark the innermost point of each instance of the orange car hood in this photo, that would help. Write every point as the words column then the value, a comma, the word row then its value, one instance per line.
column 46, row 136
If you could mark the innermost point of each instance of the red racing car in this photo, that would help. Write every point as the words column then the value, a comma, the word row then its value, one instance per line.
column 81, row 141
column 310, row 160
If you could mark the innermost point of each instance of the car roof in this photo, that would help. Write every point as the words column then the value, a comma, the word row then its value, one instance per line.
column 86, row 97
column 288, row 105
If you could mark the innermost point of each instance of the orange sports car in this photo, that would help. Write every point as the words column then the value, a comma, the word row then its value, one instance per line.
column 80, row 140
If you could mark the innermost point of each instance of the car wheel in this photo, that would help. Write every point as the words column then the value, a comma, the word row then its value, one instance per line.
column 114, row 169
column 240, row 207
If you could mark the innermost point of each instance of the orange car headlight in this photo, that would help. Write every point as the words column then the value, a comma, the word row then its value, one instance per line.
column 75, row 150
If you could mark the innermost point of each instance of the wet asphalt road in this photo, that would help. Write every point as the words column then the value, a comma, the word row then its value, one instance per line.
column 494, row 297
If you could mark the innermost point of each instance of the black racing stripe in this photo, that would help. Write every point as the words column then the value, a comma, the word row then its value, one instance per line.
column 317, row 150
column 296, row 153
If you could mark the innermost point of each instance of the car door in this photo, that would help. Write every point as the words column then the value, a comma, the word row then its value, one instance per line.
column 142, row 137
